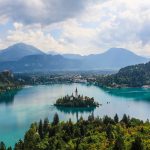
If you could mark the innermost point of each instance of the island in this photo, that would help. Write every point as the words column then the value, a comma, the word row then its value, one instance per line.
column 76, row 101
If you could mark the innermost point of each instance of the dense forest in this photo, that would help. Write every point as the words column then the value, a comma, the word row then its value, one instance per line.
column 91, row 134
column 131, row 76
column 7, row 81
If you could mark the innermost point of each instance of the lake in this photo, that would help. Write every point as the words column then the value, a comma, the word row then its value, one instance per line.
column 19, row 108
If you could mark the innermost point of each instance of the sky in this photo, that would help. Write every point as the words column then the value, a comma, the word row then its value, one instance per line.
column 76, row 26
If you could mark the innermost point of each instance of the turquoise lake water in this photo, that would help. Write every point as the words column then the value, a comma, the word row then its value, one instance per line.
column 19, row 108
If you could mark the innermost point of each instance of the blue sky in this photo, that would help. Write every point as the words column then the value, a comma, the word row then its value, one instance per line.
column 76, row 26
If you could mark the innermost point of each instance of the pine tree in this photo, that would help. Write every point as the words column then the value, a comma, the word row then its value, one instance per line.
column 109, row 131
column 116, row 118
column 19, row 145
column 137, row 144
column 2, row 146
column 119, row 144
column 31, row 138
column 40, row 129
column 45, row 125
column 9, row 148
column 55, row 119
column 107, row 120
column 125, row 119
column 91, row 117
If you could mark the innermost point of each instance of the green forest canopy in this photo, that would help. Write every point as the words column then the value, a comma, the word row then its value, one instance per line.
column 131, row 76
column 91, row 134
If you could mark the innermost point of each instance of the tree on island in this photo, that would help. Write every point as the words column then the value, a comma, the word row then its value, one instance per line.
column 76, row 101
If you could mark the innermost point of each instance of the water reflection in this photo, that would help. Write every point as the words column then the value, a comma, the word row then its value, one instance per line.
column 75, row 111
column 139, row 94
column 8, row 96
column 71, row 110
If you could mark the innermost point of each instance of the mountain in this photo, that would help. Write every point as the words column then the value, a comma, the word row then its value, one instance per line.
column 34, row 63
column 114, row 58
column 22, row 57
column 73, row 56
column 52, row 53
column 130, row 76
column 17, row 51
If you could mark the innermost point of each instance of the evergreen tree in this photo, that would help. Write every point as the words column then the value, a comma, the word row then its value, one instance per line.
column 91, row 117
column 116, row 118
column 125, row 119
column 82, row 130
column 45, row 125
column 40, row 129
column 119, row 144
column 2, row 146
column 107, row 120
column 31, row 138
column 19, row 145
column 86, row 135
column 9, row 148
column 109, row 131
column 55, row 119
column 52, row 131
column 137, row 144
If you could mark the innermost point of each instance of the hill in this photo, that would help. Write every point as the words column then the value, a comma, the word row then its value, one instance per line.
column 26, row 58
column 7, row 81
column 114, row 58
column 131, row 76
column 40, row 63
column 73, row 56
column 17, row 51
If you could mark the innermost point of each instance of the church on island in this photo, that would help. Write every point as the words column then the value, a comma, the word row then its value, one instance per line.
column 75, row 94
column 76, row 100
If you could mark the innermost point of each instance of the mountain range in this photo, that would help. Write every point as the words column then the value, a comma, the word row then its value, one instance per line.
column 26, row 58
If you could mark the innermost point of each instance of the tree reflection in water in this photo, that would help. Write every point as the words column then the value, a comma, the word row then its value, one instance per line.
column 8, row 96
column 76, row 111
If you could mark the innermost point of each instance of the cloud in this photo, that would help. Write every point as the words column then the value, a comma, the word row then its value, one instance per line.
column 41, row 11
column 78, row 26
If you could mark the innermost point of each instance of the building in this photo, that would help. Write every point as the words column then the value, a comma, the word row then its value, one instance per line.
column 76, row 93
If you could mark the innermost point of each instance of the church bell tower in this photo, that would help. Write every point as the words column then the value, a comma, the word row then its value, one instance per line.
column 76, row 93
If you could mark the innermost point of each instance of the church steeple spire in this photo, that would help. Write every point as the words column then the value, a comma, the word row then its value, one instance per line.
column 76, row 92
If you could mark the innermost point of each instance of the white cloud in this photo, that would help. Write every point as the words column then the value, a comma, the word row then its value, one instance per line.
column 86, row 27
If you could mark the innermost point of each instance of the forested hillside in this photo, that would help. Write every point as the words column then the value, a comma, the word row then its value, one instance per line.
column 7, row 81
column 91, row 134
column 131, row 76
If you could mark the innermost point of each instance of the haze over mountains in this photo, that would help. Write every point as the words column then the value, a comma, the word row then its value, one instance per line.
column 23, row 58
